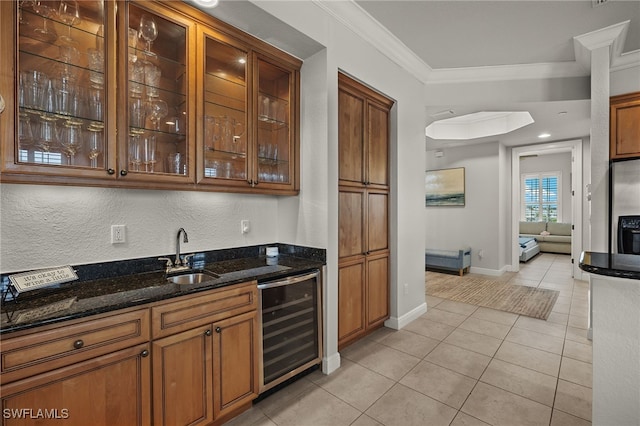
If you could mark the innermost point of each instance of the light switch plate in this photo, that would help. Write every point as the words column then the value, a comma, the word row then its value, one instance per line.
column 245, row 226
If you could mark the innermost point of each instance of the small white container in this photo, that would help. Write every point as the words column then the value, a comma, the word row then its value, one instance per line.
column 272, row 251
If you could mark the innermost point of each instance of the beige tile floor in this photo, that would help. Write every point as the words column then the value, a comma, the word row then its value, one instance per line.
column 456, row 365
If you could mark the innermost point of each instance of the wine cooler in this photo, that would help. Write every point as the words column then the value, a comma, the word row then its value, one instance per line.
column 291, row 312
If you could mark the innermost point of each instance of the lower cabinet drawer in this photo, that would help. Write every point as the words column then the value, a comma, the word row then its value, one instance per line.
column 193, row 311
column 41, row 351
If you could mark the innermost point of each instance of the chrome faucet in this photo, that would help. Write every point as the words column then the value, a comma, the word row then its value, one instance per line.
column 185, row 239
column 181, row 262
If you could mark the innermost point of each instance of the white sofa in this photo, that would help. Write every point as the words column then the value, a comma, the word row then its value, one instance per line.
column 557, row 241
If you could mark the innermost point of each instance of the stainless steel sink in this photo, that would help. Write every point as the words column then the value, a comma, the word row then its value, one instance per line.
column 192, row 278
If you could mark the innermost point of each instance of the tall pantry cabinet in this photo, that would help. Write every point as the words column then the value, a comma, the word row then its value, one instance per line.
column 363, row 235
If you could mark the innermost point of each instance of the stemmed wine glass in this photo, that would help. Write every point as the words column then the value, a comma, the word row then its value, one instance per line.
column 45, row 33
column 69, row 13
column 157, row 109
column 148, row 31
column 71, row 140
column 95, row 145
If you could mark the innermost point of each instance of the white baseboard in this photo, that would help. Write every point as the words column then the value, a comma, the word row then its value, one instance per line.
column 398, row 323
column 492, row 272
column 331, row 363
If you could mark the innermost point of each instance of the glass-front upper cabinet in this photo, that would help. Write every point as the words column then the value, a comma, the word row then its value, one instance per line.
column 225, row 137
column 60, row 94
column 154, row 136
column 275, row 146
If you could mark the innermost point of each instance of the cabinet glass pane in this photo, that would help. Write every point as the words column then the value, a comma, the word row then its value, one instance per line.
column 61, row 78
column 225, row 111
column 274, row 99
column 157, row 94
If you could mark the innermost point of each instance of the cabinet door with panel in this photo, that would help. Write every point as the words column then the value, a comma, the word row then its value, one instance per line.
column 157, row 94
column 235, row 363
column 112, row 389
column 183, row 378
column 58, row 83
column 363, row 209
column 625, row 126
column 352, row 293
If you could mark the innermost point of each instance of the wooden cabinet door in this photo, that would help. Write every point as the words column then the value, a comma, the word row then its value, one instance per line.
column 351, row 222
column 377, row 289
column 625, row 126
column 112, row 389
column 377, row 145
column 182, row 378
column 377, row 221
column 350, row 136
column 351, row 300
column 235, row 362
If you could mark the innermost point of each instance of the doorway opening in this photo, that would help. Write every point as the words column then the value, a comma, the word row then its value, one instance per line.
column 574, row 147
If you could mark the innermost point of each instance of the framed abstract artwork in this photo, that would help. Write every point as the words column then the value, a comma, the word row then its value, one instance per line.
column 444, row 187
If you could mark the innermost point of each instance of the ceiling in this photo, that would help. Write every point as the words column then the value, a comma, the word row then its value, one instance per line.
column 468, row 40
column 450, row 35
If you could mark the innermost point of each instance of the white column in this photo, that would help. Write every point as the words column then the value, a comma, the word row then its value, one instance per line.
column 599, row 149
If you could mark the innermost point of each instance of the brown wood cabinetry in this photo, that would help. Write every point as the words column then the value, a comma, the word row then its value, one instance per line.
column 195, row 362
column 625, row 126
column 363, row 210
column 206, row 370
column 194, row 105
column 80, row 367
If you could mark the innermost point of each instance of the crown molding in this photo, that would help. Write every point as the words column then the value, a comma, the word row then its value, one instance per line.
column 369, row 29
column 363, row 24
column 506, row 72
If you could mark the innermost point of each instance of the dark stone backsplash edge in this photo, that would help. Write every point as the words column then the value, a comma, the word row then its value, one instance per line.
column 118, row 268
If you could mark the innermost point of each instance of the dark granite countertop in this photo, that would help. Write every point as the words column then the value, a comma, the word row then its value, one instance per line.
column 612, row 265
column 124, row 291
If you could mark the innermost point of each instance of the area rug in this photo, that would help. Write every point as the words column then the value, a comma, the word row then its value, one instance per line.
column 530, row 301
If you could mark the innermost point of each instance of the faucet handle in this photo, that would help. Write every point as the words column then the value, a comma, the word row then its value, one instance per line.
column 186, row 258
column 169, row 263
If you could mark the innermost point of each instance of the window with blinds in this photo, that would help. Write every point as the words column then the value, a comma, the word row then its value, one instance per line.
column 541, row 197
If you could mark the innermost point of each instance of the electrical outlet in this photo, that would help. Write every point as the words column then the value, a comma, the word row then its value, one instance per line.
column 406, row 289
column 118, row 234
column 245, row 226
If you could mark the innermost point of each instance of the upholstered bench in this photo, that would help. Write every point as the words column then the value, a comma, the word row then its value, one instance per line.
column 450, row 260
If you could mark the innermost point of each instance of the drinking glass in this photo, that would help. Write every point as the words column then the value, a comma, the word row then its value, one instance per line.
column 137, row 113
column 69, row 13
column 174, row 163
column 49, row 98
column 25, row 133
column 47, row 136
column 136, row 77
column 71, row 140
column 34, row 90
column 135, row 152
column 64, row 86
column 94, row 144
column 148, row 31
column 152, row 79
column 149, row 153
column 133, row 45
column 96, row 104
column 211, row 132
column 96, row 65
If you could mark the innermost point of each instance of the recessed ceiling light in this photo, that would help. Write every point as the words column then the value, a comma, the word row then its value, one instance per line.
column 544, row 135
column 242, row 60
column 207, row 3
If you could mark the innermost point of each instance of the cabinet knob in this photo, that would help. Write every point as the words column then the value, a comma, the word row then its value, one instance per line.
column 78, row 344
column 218, row 329
column 144, row 353
column 207, row 333
column 111, row 171
column 123, row 172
